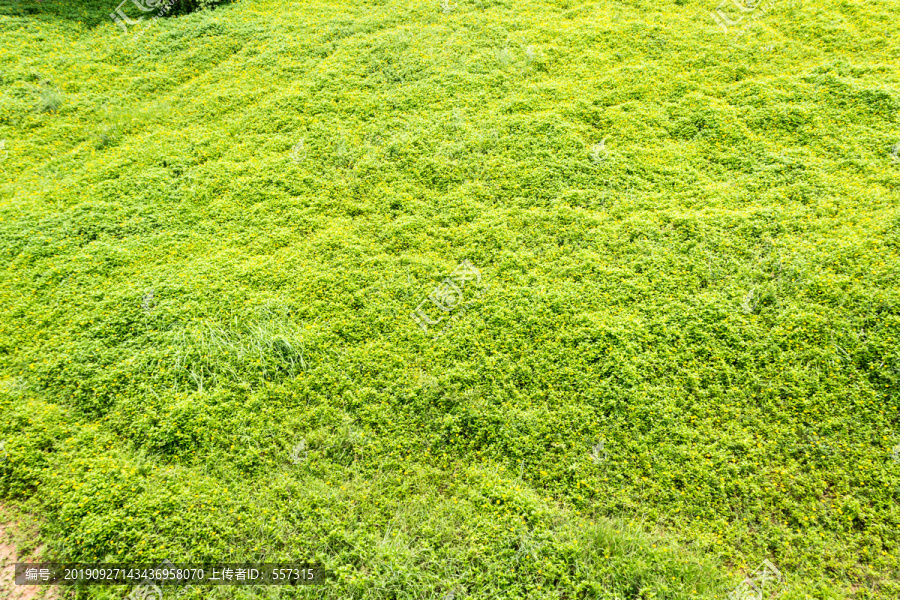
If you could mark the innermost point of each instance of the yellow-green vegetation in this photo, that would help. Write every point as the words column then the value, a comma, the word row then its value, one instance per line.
column 214, row 230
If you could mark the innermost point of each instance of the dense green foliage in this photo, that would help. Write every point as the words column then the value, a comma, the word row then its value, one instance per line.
column 95, row 12
column 189, row 293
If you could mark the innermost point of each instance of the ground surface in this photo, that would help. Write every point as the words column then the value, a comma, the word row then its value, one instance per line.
column 13, row 536
column 680, row 356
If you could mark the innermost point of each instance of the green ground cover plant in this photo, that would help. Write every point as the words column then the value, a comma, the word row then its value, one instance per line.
column 215, row 228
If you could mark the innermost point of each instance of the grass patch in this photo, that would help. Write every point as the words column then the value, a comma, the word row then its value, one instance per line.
column 688, row 243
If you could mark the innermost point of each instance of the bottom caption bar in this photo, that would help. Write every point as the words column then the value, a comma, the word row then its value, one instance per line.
column 167, row 574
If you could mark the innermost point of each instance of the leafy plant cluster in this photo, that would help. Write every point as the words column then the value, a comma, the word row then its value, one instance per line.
column 96, row 12
column 691, row 249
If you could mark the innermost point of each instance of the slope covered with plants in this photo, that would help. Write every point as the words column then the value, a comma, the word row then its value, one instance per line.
column 679, row 356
